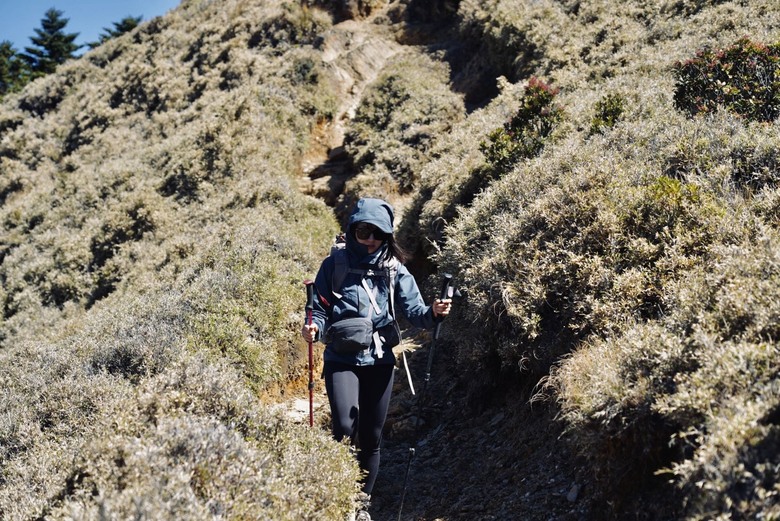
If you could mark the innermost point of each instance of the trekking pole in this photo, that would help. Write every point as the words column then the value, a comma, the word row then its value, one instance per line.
column 309, row 308
column 447, row 291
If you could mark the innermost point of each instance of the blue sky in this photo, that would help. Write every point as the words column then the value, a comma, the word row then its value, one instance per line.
column 20, row 18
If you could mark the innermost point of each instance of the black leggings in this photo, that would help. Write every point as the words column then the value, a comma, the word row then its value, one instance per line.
column 360, row 393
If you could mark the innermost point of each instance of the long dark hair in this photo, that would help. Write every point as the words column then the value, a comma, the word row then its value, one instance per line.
column 394, row 249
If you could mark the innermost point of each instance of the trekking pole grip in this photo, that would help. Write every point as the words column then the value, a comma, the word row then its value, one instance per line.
column 446, row 287
column 446, row 292
column 309, row 294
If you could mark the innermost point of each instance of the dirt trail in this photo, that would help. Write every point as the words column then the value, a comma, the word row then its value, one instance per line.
column 486, row 461
column 490, row 461
column 356, row 52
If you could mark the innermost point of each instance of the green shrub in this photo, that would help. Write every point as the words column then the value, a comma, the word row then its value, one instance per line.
column 609, row 110
column 524, row 135
column 245, row 317
column 141, row 339
column 743, row 78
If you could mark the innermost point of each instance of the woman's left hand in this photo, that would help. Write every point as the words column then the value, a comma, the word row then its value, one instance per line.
column 441, row 307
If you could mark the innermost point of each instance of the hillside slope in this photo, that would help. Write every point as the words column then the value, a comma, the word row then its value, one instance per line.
column 153, row 247
column 617, row 245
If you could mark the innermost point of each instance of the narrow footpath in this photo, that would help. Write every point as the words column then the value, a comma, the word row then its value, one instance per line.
column 486, row 461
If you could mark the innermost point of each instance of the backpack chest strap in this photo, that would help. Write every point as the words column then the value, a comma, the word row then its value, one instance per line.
column 371, row 296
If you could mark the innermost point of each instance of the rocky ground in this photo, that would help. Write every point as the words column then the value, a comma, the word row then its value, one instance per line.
column 486, row 461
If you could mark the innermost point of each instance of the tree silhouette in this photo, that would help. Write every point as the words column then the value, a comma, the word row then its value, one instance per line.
column 13, row 73
column 126, row 24
column 52, row 45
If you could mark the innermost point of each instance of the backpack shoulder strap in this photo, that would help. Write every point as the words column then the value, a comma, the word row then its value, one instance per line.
column 340, row 270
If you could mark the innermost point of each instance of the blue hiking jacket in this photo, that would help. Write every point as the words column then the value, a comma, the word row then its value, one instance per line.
column 355, row 301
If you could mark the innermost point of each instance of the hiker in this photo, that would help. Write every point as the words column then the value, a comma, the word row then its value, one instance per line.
column 358, row 291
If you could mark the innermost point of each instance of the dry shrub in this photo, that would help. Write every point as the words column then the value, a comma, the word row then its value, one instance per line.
column 118, row 410
column 508, row 38
column 449, row 179
column 598, row 257
column 191, row 441
column 125, row 148
column 400, row 116
column 704, row 377
column 153, row 252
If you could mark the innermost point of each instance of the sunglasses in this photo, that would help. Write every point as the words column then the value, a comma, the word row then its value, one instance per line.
column 364, row 230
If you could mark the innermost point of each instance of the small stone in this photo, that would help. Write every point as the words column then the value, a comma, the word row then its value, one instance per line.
column 574, row 492
column 498, row 418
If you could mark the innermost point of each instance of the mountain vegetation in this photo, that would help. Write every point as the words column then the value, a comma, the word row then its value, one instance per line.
column 52, row 46
column 601, row 179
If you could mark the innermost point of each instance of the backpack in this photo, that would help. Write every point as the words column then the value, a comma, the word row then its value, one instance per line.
column 342, row 269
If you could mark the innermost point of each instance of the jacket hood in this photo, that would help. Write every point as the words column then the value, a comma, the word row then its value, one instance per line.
column 373, row 211
column 376, row 212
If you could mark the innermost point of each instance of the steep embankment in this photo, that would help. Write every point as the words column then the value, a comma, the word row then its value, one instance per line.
column 614, row 228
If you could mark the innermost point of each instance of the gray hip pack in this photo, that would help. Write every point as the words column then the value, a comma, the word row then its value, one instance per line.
column 350, row 335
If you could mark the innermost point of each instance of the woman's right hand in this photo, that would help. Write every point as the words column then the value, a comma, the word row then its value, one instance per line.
column 309, row 332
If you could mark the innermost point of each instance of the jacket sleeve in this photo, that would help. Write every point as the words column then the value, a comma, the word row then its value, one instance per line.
column 323, row 297
column 410, row 300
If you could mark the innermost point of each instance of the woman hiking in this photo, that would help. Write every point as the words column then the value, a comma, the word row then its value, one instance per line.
column 358, row 290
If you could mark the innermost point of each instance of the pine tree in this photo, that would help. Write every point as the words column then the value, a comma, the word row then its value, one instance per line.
column 125, row 25
column 52, row 45
column 12, row 69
